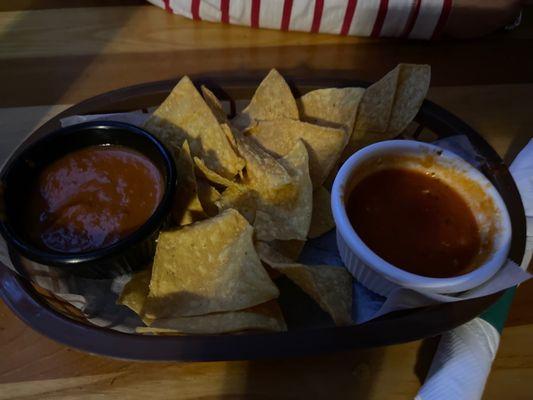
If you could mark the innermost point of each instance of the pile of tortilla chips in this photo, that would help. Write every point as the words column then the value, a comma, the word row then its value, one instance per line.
column 250, row 192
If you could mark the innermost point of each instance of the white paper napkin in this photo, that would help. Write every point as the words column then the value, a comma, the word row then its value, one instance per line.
column 462, row 363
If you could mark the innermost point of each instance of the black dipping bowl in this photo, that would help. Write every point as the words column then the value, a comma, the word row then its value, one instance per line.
column 132, row 252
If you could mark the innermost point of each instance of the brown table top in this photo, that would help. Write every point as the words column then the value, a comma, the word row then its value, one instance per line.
column 51, row 57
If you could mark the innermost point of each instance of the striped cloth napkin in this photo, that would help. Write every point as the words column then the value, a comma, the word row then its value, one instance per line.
column 415, row 19
column 464, row 356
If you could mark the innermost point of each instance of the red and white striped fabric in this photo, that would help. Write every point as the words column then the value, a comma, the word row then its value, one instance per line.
column 418, row 19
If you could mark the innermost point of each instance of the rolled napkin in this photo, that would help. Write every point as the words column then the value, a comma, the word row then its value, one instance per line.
column 464, row 356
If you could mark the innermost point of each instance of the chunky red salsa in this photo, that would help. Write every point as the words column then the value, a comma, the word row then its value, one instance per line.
column 92, row 197
column 415, row 221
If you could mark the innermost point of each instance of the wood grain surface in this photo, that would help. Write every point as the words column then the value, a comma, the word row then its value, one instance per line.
column 53, row 55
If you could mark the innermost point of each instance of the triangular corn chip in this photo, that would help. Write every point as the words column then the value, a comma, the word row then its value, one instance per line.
column 209, row 266
column 289, row 216
column 266, row 316
column 214, row 104
column 335, row 107
column 187, row 207
column 330, row 286
column 413, row 85
column 273, row 99
column 241, row 199
column 184, row 115
column 323, row 144
column 266, row 175
column 389, row 105
column 135, row 291
column 211, row 175
column 376, row 106
column 290, row 249
column 230, row 135
column 322, row 219
column 269, row 252
column 208, row 197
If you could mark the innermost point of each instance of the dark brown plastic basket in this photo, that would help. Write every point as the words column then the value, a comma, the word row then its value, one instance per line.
column 64, row 323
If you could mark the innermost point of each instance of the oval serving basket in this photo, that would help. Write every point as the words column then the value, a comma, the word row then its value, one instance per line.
column 62, row 322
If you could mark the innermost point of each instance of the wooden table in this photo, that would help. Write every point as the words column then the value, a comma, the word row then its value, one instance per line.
column 52, row 57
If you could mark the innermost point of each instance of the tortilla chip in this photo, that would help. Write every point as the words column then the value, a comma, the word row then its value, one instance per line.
column 322, row 219
column 135, row 291
column 273, row 99
column 290, row 249
column 266, row 316
column 206, row 267
column 187, row 206
column 269, row 253
column 214, row 104
column 389, row 105
column 335, row 108
column 376, row 106
column 241, row 199
column 230, row 135
column 282, row 251
column 185, row 115
column 413, row 85
column 289, row 220
column 323, row 144
column 330, row 286
column 208, row 197
column 211, row 175
column 266, row 175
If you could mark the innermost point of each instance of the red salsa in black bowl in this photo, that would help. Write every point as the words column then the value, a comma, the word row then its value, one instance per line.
column 89, row 198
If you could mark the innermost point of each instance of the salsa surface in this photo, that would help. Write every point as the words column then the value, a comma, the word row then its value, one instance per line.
column 91, row 198
column 415, row 221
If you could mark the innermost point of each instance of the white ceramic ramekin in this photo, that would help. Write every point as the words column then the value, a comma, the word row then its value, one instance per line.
column 484, row 200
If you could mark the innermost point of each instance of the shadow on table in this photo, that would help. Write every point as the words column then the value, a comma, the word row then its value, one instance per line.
column 349, row 374
column 517, row 144
column 424, row 357
column 374, row 373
